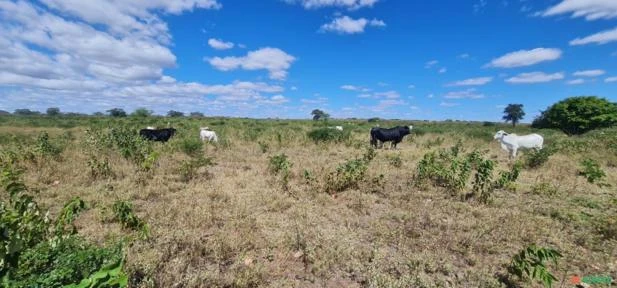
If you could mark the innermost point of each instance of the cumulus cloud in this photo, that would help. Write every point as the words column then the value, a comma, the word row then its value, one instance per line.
column 220, row 44
column 589, row 73
column 348, row 25
column 275, row 60
column 599, row 38
column 610, row 79
column 463, row 56
column 349, row 4
column 472, row 81
column 575, row 82
column 355, row 88
column 69, row 53
column 525, row 58
column 448, row 104
column 443, row 70
column 392, row 94
column 465, row 94
column 534, row 77
column 431, row 63
column 590, row 9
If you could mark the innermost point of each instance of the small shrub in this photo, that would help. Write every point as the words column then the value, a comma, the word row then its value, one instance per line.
column 433, row 142
column 44, row 146
column 280, row 165
column 531, row 262
column 67, row 215
column 537, row 158
column 592, row 171
column 507, row 177
column 308, row 176
column 189, row 168
column 191, row 146
column 100, row 169
column 607, row 227
column 369, row 154
column 482, row 184
column 346, row 176
column 395, row 161
column 123, row 213
column 329, row 135
column 263, row 146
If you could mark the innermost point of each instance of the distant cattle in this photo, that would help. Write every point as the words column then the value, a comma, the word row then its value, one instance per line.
column 513, row 142
column 394, row 135
column 339, row 128
column 206, row 134
column 162, row 135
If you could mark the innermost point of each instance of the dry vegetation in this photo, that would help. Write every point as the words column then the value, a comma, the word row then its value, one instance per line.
column 235, row 223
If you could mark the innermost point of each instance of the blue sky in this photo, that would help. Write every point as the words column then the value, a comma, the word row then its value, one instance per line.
column 282, row 58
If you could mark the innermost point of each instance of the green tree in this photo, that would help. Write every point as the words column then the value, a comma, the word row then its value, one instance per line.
column 142, row 112
column 53, row 111
column 318, row 114
column 197, row 114
column 116, row 112
column 98, row 114
column 577, row 115
column 513, row 113
column 26, row 112
column 172, row 113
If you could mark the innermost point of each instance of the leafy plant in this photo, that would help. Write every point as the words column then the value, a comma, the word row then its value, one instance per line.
column 592, row 171
column 100, row 169
column 544, row 188
column 263, row 146
column 531, row 262
column 44, row 146
column 536, row 158
column 110, row 275
column 189, row 168
column 395, row 161
column 346, row 176
column 329, row 135
column 123, row 213
column 191, row 146
column 482, row 184
column 280, row 165
column 369, row 154
column 507, row 177
column 67, row 215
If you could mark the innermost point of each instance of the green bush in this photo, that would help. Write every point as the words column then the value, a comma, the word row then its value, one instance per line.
column 191, row 146
column 329, row 135
column 347, row 176
column 592, row 171
column 189, row 168
column 280, row 165
column 536, row 158
column 577, row 115
column 531, row 262
column 123, row 213
column 45, row 148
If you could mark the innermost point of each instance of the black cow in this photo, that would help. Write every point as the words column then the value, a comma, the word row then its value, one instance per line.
column 157, row 134
column 395, row 135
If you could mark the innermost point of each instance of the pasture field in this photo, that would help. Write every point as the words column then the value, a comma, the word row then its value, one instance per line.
column 267, row 206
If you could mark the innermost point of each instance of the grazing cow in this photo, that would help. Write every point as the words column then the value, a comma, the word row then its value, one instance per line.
column 162, row 135
column 512, row 142
column 207, row 134
column 395, row 135
column 339, row 128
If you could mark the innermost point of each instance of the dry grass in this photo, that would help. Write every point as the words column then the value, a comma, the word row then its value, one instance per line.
column 236, row 226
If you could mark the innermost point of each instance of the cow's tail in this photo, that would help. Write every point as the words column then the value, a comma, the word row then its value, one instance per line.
column 373, row 138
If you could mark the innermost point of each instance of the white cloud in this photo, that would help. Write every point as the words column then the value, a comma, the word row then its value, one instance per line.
column 443, row 70
column 589, row 73
column 448, row 104
column 463, row 56
column 534, row 77
column 599, row 38
column 472, row 81
column 347, row 25
column 590, row 9
column 275, row 60
column 95, row 55
column 575, row 82
column 411, row 86
column 355, row 88
column 383, row 84
column 349, row 4
column 431, row 63
column 430, row 95
column 525, row 58
column 388, row 94
column 220, row 44
column 465, row 94
column 610, row 79
column 293, row 88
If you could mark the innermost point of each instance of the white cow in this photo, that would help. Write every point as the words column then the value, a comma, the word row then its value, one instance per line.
column 513, row 142
column 339, row 128
column 207, row 134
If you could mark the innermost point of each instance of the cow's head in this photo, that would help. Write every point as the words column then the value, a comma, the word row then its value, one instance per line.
column 405, row 130
column 172, row 131
column 500, row 134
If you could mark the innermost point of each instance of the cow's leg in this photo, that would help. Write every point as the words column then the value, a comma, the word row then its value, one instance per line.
column 514, row 150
